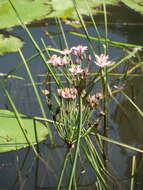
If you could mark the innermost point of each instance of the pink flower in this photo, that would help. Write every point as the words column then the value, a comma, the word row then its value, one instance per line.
column 67, row 93
column 79, row 50
column 102, row 60
column 58, row 61
column 55, row 60
column 64, row 61
column 66, row 51
column 92, row 101
column 76, row 69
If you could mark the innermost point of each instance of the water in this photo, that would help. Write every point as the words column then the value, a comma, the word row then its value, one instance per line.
column 122, row 128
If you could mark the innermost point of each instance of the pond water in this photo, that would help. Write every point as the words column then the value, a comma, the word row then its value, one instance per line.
column 123, row 27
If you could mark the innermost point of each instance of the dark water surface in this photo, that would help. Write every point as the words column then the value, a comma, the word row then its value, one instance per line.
column 124, row 26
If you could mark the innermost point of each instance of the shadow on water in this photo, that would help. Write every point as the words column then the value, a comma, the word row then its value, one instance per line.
column 127, row 129
column 130, row 125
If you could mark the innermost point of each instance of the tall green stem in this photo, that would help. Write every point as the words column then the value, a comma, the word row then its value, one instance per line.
column 105, row 110
column 77, row 144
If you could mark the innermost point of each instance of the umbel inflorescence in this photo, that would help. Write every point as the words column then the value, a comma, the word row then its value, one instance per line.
column 74, row 64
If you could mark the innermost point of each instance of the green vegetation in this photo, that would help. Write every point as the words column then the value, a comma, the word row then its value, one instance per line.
column 53, row 8
column 9, row 43
column 12, row 136
column 78, row 99
column 48, row 9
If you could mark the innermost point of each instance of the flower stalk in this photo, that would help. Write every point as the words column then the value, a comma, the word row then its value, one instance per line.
column 77, row 144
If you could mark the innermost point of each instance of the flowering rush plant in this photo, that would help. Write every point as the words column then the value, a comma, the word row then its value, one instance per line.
column 74, row 66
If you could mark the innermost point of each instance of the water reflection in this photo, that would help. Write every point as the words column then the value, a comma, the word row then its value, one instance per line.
column 125, row 22
column 130, row 130
column 130, row 126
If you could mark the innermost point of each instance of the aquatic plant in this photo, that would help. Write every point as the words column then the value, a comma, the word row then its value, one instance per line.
column 78, row 92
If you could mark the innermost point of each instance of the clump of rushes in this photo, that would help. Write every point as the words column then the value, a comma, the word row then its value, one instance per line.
column 74, row 65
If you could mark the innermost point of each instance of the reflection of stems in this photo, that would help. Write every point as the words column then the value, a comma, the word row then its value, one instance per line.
column 63, row 168
column 38, row 152
column 77, row 144
column 21, row 168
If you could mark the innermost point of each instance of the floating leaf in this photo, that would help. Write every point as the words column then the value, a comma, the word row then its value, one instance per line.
column 53, row 8
column 136, row 5
column 68, row 10
column 28, row 10
column 9, row 43
column 11, row 136
column 43, row 9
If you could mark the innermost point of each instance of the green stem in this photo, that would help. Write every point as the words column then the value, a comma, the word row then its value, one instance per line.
column 77, row 144
column 106, row 28
column 58, row 82
column 35, row 91
column 133, row 173
column 105, row 109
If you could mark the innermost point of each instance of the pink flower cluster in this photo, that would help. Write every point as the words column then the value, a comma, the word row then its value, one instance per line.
column 58, row 61
column 79, row 50
column 76, row 69
column 67, row 93
column 93, row 100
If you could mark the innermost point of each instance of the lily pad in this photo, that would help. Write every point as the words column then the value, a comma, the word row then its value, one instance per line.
column 11, row 136
column 136, row 5
column 30, row 10
column 27, row 9
column 9, row 43
column 68, row 10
